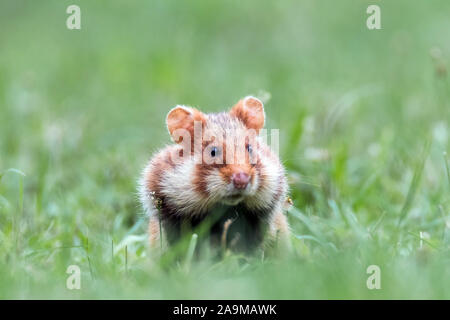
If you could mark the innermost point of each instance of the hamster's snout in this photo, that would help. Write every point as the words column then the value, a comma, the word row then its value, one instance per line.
column 240, row 180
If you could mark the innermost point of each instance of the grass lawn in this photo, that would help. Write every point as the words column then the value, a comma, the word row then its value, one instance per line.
column 364, row 130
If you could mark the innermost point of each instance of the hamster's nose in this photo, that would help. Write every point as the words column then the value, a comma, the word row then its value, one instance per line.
column 240, row 180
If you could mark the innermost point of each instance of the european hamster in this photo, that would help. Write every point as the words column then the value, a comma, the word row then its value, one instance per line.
column 221, row 171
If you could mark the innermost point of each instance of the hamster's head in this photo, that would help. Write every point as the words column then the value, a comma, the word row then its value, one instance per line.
column 225, row 148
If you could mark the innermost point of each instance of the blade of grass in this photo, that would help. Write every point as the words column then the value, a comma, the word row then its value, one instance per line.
column 447, row 167
column 423, row 239
column 11, row 170
column 307, row 222
column 414, row 184
column 190, row 252
column 378, row 223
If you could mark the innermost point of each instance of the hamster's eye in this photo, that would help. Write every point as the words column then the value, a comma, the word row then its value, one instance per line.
column 214, row 151
column 249, row 149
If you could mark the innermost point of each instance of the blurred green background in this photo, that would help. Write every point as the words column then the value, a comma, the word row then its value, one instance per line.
column 364, row 127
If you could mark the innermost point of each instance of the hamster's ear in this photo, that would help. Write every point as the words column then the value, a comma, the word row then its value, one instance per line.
column 250, row 111
column 182, row 117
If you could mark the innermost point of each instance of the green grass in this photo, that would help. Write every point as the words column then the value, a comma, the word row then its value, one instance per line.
column 364, row 127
